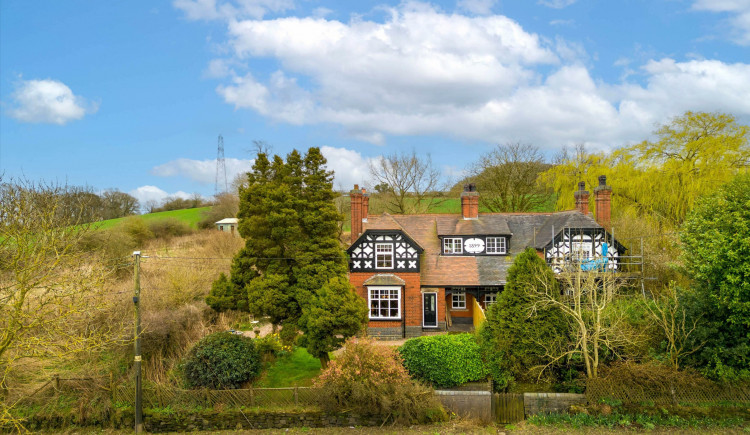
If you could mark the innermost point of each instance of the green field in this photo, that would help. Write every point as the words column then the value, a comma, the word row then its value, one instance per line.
column 189, row 215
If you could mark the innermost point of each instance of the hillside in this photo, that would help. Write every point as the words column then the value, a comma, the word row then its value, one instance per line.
column 191, row 216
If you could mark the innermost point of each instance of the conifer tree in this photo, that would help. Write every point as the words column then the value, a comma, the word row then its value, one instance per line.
column 516, row 337
column 293, row 267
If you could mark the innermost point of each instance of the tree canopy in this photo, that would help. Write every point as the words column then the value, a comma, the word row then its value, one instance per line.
column 660, row 178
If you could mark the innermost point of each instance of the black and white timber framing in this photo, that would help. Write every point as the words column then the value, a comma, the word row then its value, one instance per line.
column 405, row 252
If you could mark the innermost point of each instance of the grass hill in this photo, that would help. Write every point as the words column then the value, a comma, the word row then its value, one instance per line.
column 190, row 216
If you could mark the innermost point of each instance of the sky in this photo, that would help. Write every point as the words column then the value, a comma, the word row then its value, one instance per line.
column 133, row 94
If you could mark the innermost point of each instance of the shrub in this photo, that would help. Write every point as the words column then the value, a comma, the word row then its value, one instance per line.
column 136, row 228
column 222, row 361
column 444, row 360
column 370, row 379
column 169, row 227
column 271, row 345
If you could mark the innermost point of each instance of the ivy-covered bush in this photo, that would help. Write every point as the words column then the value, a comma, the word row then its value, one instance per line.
column 444, row 360
column 370, row 379
column 222, row 361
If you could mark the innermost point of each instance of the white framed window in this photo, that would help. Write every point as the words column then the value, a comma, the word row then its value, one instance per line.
column 458, row 300
column 385, row 302
column 489, row 299
column 495, row 245
column 383, row 256
column 453, row 245
column 580, row 250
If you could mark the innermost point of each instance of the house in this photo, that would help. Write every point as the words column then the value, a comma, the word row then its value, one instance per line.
column 227, row 224
column 423, row 273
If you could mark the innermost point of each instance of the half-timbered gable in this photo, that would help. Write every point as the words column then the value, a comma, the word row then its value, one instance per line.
column 384, row 251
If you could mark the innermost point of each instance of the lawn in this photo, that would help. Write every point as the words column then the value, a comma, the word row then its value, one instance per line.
column 190, row 215
column 297, row 368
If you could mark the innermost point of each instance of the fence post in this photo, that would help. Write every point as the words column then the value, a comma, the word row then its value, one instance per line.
column 296, row 395
column 112, row 386
column 56, row 379
column 252, row 396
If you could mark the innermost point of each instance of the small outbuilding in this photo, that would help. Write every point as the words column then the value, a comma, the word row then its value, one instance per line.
column 227, row 224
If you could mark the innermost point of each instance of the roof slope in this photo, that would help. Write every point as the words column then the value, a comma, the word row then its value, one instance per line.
column 524, row 229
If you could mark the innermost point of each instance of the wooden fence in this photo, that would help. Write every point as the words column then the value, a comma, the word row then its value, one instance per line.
column 665, row 393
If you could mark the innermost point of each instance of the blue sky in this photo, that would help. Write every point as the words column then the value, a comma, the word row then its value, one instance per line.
column 133, row 94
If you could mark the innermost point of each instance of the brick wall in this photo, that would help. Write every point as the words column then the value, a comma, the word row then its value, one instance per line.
column 411, row 305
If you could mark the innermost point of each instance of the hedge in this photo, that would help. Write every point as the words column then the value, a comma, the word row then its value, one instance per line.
column 444, row 360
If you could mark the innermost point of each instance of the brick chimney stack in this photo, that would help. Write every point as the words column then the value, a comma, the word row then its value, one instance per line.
column 603, row 196
column 365, row 204
column 356, row 199
column 582, row 198
column 470, row 202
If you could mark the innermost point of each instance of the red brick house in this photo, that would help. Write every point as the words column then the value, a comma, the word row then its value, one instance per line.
column 423, row 273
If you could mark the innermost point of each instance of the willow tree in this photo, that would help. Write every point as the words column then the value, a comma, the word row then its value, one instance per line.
column 661, row 178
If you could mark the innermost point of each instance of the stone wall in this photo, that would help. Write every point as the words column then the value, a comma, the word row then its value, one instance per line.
column 540, row 403
column 469, row 404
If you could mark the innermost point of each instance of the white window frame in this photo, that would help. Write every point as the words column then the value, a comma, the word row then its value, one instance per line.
column 389, row 289
column 391, row 253
column 453, row 240
column 576, row 248
column 488, row 303
column 461, row 299
column 497, row 247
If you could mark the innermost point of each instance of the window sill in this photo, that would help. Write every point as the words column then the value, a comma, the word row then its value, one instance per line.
column 459, row 309
column 388, row 319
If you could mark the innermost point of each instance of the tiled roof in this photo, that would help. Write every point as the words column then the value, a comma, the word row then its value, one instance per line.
column 384, row 279
column 524, row 229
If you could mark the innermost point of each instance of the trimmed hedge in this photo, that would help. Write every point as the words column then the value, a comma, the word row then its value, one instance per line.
column 222, row 361
column 444, row 360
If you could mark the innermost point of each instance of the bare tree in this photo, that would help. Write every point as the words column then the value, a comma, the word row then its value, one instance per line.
column 507, row 178
column 52, row 300
column 586, row 299
column 410, row 183
column 672, row 318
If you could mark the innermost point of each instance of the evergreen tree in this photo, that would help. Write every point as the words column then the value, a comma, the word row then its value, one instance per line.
column 515, row 338
column 293, row 267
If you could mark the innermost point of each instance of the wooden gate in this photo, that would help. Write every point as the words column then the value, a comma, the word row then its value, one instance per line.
column 507, row 407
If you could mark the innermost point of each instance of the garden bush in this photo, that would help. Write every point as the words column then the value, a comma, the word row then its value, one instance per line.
column 222, row 361
column 370, row 379
column 444, row 360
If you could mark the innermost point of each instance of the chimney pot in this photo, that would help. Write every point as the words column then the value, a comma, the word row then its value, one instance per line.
column 582, row 185
column 602, row 180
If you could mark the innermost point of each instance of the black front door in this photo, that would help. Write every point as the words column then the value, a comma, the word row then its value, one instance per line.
column 429, row 302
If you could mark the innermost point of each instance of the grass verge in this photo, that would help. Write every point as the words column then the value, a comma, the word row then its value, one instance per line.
column 296, row 368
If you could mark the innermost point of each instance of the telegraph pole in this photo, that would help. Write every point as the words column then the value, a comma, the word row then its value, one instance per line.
column 137, row 364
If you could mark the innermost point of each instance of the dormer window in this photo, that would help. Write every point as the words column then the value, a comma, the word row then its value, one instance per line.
column 453, row 245
column 383, row 256
column 496, row 245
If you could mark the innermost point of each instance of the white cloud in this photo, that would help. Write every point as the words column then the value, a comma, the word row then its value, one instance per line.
column 479, row 7
column 202, row 171
column 48, row 101
column 740, row 16
column 213, row 9
column 426, row 72
column 349, row 167
column 147, row 193
column 556, row 4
